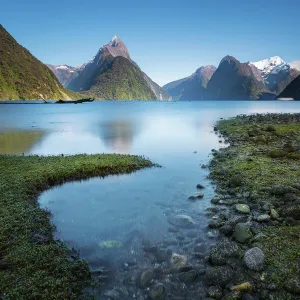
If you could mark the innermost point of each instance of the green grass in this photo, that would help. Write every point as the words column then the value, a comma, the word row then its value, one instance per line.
column 266, row 154
column 38, row 266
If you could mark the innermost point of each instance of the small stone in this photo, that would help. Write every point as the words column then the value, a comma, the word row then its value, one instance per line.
column 158, row 292
column 215, row 201
column 173, row 229
column 242, row 233
column 263, row 218
column 215, row 292
column 227, row 230
column 200, row 186
column 178, row 261
column 254, row 259
column 274, row 214
column 146, row 278
column 243, row 208
column 188, row 277
column 183, row 221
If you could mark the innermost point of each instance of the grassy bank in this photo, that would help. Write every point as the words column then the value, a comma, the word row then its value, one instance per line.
column 261, row 169
column 32, row 264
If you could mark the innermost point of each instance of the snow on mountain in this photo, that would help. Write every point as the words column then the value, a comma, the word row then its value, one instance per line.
column 272, row 65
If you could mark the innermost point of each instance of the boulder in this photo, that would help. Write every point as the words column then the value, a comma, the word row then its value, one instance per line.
column 254, row 259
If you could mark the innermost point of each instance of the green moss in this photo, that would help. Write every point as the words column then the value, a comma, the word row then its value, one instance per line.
column 38, row 266
column 282, row 251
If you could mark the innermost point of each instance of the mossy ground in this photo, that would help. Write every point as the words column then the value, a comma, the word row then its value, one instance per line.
column 32, row 264
column 264, row 153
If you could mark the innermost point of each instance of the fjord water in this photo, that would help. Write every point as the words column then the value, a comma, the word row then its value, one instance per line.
column 127, row 211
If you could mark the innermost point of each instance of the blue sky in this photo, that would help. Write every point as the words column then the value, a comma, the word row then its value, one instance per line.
column 168, row 39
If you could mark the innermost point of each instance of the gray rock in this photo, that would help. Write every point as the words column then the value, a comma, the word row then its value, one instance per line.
column 242, row 233
column 158, row 292
column 254, row 259
column 263, row 218
column 188, row 277
column 182, row 221
column 224, row 250
column 200, row 186
column 243, row 208
column 146, row 278
column 215, row 292
column 219, row 276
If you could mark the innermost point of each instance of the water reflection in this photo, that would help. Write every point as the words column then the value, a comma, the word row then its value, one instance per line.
column 17, row 142
column 118, row 135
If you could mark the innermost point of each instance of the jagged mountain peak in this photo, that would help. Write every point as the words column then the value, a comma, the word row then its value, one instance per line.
column 229, row 58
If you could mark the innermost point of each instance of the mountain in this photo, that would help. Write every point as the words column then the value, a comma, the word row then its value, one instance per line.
column 112, row 74
column 292, row 90
column 64, row 73
column 234, row 80
column 22, row 76
column 192, row 87
column 276, row 73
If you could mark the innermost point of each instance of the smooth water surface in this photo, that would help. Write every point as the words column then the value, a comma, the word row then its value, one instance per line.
column 134, row 209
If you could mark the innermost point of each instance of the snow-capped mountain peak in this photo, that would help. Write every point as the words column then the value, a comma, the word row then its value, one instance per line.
column 270, row 65
column 62, row 67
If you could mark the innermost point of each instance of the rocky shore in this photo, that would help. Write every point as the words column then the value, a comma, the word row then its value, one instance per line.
column 246, row 245
column 257, row 253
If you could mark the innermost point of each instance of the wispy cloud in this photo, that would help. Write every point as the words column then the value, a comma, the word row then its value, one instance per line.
column 295, row 64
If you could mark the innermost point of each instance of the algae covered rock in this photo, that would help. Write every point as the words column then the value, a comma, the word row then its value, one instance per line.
column 224, row 250
column 219, row 276
column 242, row 233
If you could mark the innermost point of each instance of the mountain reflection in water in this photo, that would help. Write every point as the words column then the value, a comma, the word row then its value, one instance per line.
column 119, row 135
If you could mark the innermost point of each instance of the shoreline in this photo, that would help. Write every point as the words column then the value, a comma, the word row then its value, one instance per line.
column 257, row 205
column 32, row 263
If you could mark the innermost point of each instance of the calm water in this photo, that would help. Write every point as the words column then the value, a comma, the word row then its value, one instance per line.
column 129, row 209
